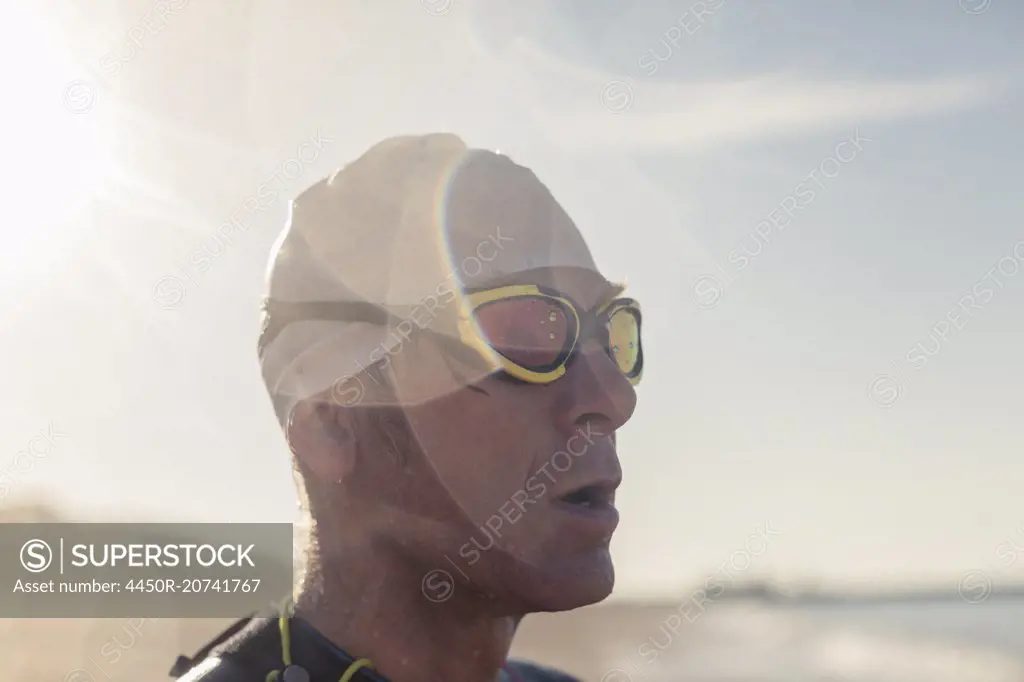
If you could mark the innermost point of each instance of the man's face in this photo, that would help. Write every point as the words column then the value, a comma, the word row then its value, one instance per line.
column 520, row 478
column 507, row 487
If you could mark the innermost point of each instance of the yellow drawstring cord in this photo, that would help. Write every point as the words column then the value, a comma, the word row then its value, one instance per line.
column 286, row 655
column 356, row 665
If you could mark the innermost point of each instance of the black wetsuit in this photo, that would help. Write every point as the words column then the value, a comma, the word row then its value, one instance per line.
column 251, row 649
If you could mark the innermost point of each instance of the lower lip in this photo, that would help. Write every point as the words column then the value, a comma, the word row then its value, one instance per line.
column 604, row 517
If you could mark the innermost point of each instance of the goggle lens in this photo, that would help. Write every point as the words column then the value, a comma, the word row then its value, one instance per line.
column 624, row 340
column 531, row 331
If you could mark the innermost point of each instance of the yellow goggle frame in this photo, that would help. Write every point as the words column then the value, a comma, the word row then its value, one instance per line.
column 619, row 320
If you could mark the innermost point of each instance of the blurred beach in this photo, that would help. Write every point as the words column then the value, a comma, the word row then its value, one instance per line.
column 740, row 641
column 621, row 642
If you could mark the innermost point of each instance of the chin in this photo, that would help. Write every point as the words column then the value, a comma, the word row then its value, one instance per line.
column 568, row 583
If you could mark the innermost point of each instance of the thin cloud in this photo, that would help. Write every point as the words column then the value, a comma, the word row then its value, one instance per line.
column 573, row 106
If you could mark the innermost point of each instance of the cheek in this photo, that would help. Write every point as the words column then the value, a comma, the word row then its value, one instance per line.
column 481, row 448
column 507, row 445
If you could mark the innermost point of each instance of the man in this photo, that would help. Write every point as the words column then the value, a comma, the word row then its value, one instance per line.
column 450, row 369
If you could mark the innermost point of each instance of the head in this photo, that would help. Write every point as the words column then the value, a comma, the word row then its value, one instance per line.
column 435, row 422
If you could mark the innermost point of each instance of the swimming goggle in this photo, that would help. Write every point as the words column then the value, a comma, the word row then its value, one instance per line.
column 530, row 333
column 535, row 331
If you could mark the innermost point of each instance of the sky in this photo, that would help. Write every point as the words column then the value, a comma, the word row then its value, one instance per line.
column 818, row 205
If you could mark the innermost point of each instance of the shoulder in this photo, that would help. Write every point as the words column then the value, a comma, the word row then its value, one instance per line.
column 524, row 671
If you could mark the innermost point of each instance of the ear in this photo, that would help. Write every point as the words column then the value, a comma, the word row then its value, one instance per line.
column 322, row 437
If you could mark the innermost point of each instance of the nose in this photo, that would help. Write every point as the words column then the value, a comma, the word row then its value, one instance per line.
column 595, row 390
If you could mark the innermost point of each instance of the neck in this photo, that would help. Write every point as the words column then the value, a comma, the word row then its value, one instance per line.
column 373, row 606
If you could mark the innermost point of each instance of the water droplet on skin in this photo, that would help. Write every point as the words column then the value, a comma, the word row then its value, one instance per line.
column 552, row 317
column 551, row 335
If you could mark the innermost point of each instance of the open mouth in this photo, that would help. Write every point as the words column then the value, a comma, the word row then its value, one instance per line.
column 590, row 497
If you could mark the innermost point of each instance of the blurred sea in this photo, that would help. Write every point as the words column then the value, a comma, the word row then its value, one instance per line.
column 733, row 641
column 911, row 641
column 905, row 642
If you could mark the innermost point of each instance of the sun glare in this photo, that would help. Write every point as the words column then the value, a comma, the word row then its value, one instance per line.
column 55, row 158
